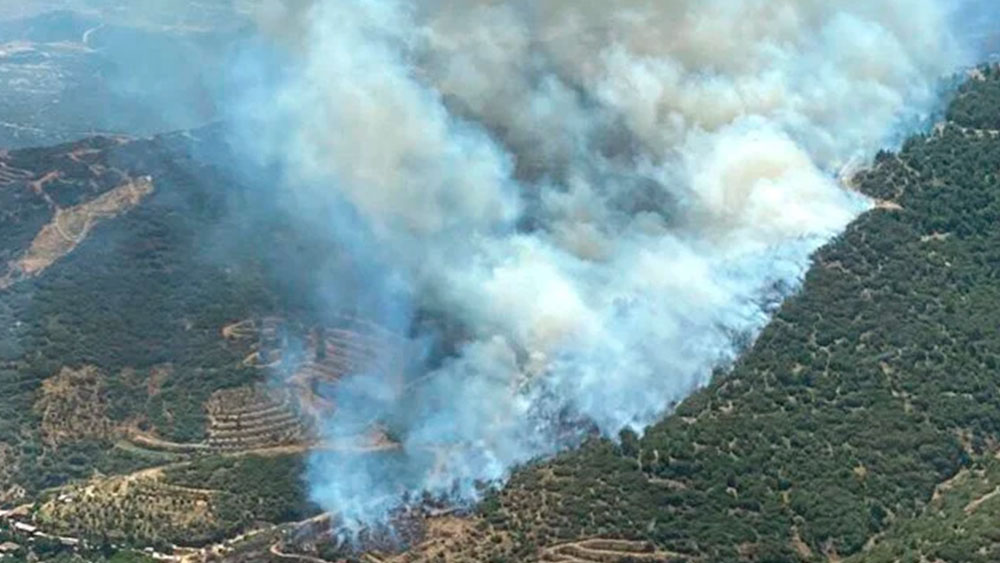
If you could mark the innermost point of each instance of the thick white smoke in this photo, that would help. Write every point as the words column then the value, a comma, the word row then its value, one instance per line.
column 605, row 195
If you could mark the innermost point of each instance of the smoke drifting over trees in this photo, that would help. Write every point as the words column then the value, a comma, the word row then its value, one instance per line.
column 600, row 201
column 606, row 197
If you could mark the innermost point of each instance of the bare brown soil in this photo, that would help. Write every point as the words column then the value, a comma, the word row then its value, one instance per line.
column 70, row 226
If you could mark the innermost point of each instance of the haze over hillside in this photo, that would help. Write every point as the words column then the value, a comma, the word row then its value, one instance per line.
column 594, row 205
column 87, row 68
column 494, row 281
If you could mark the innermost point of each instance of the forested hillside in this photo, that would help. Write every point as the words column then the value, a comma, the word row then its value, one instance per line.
column 876, row 384
column 138, row 302
column 861, row 425
column 129, row 322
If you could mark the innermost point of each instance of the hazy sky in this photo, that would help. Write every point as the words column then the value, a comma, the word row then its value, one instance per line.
column 159, row 13
column 600, row 193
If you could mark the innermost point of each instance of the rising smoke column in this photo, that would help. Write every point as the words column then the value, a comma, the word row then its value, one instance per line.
column 607, row 197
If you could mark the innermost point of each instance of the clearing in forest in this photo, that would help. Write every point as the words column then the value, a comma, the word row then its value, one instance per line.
column 70, row 226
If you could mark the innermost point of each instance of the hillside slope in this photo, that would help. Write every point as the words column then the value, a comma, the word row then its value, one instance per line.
column 875, row 384
column 145, row 297
column 865, row 415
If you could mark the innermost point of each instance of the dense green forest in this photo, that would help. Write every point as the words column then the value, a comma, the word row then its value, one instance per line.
column 959, row 524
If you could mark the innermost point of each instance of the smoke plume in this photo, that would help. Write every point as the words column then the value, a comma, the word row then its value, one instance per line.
column 601, row 201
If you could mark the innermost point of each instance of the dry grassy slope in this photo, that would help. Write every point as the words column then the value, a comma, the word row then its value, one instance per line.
column 70, row 226
column 73, row 407
column 52, row 198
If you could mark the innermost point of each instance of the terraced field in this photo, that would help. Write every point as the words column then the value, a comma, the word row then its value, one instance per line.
column 286, row 411
column 252, row 418
column 262, row 337
column 331, row 355
column 134, row 507
column 310, row 366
